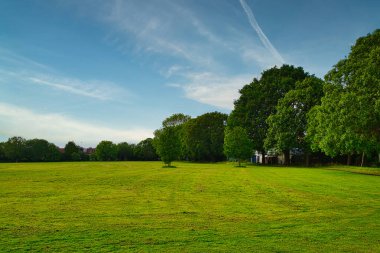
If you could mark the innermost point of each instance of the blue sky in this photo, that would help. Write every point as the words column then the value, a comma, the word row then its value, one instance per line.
column 92, row 70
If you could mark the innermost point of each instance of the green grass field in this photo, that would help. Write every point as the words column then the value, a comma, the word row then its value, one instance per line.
column 142, row 207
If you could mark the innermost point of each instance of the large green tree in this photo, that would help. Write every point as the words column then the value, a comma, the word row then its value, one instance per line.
column 287, row 127
column 203, row 137
column 258, row 101
column 167, row 144
column 106, row 151
column 167, row 140
column 348, row 119
column 237, row 144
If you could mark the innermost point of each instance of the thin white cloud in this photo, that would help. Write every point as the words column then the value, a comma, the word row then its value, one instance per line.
column 59, row 129
column 213, row 89
column 93, row 89
column 260, row 33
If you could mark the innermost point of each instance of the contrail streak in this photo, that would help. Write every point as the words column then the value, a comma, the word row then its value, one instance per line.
column 260, row 32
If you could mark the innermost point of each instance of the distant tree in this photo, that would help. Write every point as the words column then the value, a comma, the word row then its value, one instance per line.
column 39, row 150
column 106, row 151
column 167, row 144
column 72, row 152
column 145, row 150
column 287, row 127
column 348, row 119
column 237, row 144
column 124, row 152
column 15, row 149
column 203, row 137
column 258, row 101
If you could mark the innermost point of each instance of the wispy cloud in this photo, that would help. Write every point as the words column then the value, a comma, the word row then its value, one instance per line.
column 18, row 68
column 60, row 129
column 264, row 39
column 213, row 89
column 93, row 89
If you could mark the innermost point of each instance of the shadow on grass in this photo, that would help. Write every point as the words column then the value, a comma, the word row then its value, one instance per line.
column 171, row 166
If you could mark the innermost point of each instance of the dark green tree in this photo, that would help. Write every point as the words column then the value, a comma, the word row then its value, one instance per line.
column 287, row 127
column 106, row 151
column 348, row 119
column 258, row 101
column 145, row 151
column 15, row 149
column 237, row 144
column 39, row 150
column 124, row 152
column 72, row 152
column 167, row 144
column 203, row 137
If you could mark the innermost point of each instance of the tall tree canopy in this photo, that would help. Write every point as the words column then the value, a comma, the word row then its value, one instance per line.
column 258, row 101
column 203, row 137
column 287, row 127
column 348, row 119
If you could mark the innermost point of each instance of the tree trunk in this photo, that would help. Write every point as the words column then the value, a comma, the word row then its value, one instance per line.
column 361, row 165
column 286, row 157
column 349, row 159
column 239, row 162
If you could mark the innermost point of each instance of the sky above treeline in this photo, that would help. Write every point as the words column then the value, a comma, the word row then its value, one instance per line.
column 92, row 70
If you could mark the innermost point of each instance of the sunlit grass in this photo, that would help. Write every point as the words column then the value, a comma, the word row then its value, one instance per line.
column 141, row 206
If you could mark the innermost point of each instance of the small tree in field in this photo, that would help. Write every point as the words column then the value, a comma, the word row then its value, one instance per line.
column 237, row 144
column 167, row 144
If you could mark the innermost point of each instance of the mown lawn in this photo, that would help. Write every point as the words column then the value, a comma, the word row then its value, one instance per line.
column 142, row 207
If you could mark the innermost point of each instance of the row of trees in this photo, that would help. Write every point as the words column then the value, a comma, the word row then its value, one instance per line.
column 288, row 111
column 18, row 149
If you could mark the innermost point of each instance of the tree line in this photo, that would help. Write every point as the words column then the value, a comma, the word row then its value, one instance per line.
column 18, row 149
column 286, row 111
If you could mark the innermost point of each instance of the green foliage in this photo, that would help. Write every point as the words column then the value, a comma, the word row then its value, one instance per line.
column 175, row 120
column 70, row 149
column 287, row 127
column 15, row 149
column 167, row 144
column 237, row 144
column 145, row 151
column 39, row 150
column 140, row 207
column 348, row 119
column 258, row 101
column 124, row 152
column 106, row 151
column 203, row 137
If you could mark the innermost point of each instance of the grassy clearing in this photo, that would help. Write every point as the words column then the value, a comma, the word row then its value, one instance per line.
column 142, row 207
